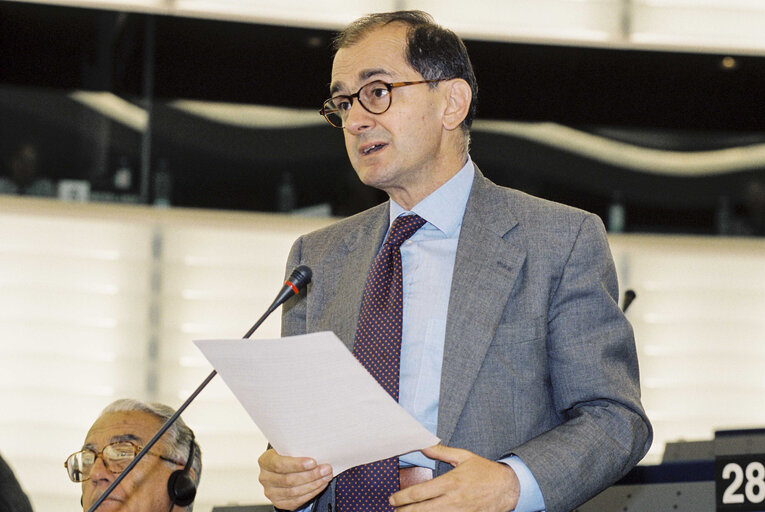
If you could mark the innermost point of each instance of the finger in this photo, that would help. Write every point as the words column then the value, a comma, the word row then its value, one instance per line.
column 295, row 479
column 422, row 492
column 443, row 453
column 283, row 477
column 289, row 480
column 290, row 498
column 437, row 504
column 272, row 461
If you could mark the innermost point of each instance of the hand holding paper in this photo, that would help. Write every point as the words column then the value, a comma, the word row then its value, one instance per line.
column 311, row 398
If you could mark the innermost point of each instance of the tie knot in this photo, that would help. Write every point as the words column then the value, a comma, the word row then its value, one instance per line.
column 403, row 227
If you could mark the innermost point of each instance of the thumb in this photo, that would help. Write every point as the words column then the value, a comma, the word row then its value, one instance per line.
column 446, row 454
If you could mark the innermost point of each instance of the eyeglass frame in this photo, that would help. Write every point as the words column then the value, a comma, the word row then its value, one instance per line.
column 388, row 85
column 100, row 454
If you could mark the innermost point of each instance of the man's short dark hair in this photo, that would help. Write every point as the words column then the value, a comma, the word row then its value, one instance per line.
column 432, row 50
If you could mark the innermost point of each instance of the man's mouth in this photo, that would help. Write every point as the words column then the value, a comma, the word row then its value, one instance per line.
column 112, row 497
column 372, row 148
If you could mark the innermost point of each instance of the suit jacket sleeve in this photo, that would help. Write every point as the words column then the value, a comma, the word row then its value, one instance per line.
column 593, row 373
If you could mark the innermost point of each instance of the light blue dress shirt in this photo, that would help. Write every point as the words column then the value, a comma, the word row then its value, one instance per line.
column 427, row 260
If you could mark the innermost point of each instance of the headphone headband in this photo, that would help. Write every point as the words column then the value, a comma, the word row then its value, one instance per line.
column 190, row 458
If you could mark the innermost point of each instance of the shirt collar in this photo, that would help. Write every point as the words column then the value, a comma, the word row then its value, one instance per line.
column 444, row 207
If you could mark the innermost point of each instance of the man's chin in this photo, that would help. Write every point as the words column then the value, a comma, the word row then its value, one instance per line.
column 373, row 174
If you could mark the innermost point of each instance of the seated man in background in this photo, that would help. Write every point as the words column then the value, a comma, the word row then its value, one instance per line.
column 119, row 433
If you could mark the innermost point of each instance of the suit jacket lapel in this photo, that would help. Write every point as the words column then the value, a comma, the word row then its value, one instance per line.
column 347, row 273
column 485, row 270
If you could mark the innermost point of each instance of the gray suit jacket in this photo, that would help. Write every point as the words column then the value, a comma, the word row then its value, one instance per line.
column 539, row 361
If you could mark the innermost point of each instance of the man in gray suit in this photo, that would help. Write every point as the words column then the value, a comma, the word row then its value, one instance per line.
column 514, row 351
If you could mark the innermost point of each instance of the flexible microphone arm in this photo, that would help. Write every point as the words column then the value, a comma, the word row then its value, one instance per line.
column 298, row 280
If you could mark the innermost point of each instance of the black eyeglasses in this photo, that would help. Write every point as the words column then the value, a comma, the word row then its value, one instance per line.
column 116, row 457
column 375, row 97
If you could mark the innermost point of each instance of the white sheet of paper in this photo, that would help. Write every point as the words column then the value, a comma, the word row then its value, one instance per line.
column 311, row 398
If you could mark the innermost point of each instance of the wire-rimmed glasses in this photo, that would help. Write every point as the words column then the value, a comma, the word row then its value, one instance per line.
column 116, row 456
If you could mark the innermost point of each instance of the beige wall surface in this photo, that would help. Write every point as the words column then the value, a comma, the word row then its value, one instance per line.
column 103, row 301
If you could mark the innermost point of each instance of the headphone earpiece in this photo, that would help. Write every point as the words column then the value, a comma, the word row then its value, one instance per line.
column 181, row 486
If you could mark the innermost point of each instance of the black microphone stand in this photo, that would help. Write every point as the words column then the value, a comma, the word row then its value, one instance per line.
column 301, row 276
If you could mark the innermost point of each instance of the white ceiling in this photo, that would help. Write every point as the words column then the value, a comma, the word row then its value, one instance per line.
column 730, row 26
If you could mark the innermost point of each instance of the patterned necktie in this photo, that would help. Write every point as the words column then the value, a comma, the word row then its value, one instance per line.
column 378, row 347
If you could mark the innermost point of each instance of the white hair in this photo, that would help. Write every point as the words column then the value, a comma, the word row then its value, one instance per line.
column 179, row 436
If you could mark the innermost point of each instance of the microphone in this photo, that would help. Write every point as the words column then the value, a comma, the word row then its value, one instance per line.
column 629, row 296
column 297, row 281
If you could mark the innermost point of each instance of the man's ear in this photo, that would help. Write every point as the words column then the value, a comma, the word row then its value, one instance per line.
column 458, row 98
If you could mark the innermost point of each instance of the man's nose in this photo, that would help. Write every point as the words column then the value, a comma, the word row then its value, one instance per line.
column 359, row 119
column 100, row 472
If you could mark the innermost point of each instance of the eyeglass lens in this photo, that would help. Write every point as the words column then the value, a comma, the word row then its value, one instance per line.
column 116, row 457
column 374, row 97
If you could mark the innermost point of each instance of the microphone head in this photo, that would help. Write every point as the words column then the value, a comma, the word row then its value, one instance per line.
column 298, row 280
column 301, row 276
column 629, row 296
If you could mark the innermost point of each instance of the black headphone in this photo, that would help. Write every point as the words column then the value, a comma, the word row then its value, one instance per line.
column 181, row 486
